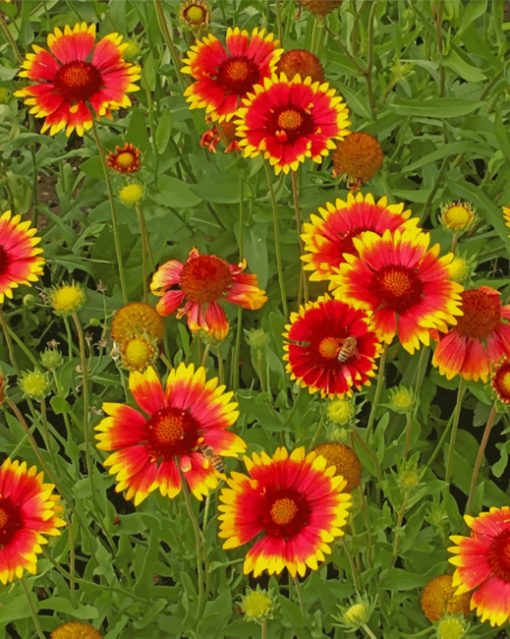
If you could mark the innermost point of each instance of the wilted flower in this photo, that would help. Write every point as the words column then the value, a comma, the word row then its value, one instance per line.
column 359, row 157
column 320, row 7
column 438, row 599
column 345, row 460
column 135, row 319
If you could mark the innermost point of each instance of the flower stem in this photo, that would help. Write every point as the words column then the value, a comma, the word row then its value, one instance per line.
column 377, row 394
column 234, row 376
column 368, row 631
column 420, row 374
column 479, row 457
column 263, row 629
column 299, row 223
column 113, row 211
column 143, row 233
column 33, row 611
column 299, row 596
column 10, row 39
column 455, row 424
column 370, row 58
column 279, row 21
column 163, row 25
column 277, row 241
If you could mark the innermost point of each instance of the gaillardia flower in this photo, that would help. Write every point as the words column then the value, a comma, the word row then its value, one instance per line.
column 224, row 75
column 359, row 157
column 403, row 282
column 345, row 461
column 480, row 338
column 330, row 347
column 288, row 121
column 501, row 381
column 482, row 563
column 301, row 62
column 125, row 159
column 294, row 505
column 77, row 78
column 138, row 352
column 67, row 299
column 135, row 319
column 195, row 14
column 438, row 599
column 201, row 283
column 220, row 132
column 21, row 261
column 457, row 216
column 76, row 630
column 330, row 234
column 169, row 439
column 29, row 512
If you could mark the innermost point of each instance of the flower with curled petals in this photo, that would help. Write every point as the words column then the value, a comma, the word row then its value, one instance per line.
column 29, row 512
column 482, row 563
column 400, row 280
column 480, row 338
column 293, row 505
column 200, row 285
column 163, row 442
column 77, row 79
column 330, row 347
column 287, row 121
column 223, row 75
column 21, row 261
column 331, row 232
column 124, row 159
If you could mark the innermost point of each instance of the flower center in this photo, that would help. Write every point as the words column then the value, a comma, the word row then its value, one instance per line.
column 125, row 160
column 398, row 286
column 291, row 123
column 172, row 432
column 4, row 260
column 194, row 13
column 78, row 80
column 458, row 215
column 205, row 278
column 285, row 513
column 482, row 313
column 329, row 347
column 10, row 522
column 237, row 75
column 499, row 556
column 290, row 119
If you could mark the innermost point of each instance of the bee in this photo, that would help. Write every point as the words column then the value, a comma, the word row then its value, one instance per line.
column 215, row 460
column 348, row 349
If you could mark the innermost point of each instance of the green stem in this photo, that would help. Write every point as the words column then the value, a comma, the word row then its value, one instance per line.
column 279, row 21
column 234, row 377
column 480, row 456
column 8, row 341
column 145, row 235
column 277, row 241
column 317, row 431
column 346, row 51
column 10, row 39
column 455, row 424
column 299, row 596
column 145, row 274
column 263, row 629
column 377, row 394
column 33, row 611
column 368, row 631
column 113, row 211
column 370, row 58
column 420, row 374
column 299, row 224
column 221, row 368
column 163, row 25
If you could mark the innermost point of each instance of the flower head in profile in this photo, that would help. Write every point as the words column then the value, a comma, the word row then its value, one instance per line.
column 331, row 232
column 77, row 79
column 195, row 14
column 124, row 159
column 197, row 289
column 301, row 62
column 403, row 282
column 75, row 630
column 457, row 216
column 359, row 157
column 480, row 338
column 501, row 381
column 330, row 347
column 482, row 563
column 164, row 441
column 292, row 505
column 287, row 121
column 21, row 261
column 438, row 599
column 223, row 75
column 29, row 513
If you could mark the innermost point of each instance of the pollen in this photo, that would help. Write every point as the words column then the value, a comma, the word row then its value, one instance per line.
column 290, row 119
column 283, row 511
column 329, row 347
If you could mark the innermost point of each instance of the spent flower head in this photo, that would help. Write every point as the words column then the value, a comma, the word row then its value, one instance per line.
column 258, row 605
column 51, row 358
column 402, row 399
column 76, row 630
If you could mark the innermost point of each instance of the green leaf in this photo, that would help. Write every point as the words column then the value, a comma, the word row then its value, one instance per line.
column 175, row 193
column 163, row 131
column 60, row 405
column 436, row 107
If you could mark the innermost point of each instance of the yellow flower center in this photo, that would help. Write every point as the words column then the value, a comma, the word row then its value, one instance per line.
column 131, row 193
column 290, row 119
column 125, row 160
column 256, row 604
column 328, row 347
column 137, row 353
column 67, row 299
column 457, row 217
column 504, row 382
column 195, row 13
column 459, row 269
column 283, row 511
column 75, row 630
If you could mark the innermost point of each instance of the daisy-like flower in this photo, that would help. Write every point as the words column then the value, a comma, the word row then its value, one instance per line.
column 220, row 132
column 294, row 505
column 195, row 14
column 77, row 78
column 67, row 299
column 359, row 157
column 21, row 261
column 330, row 233
column 225, row 74
column 135, row 319
column 288, row 121
column 168, row 440
column 480, row 338
column 438, row 599
column 457, row 216
column 125, row 159
column 301, row 62
column 29, row 512
column 330, row 347
column 199, row 285
column 403, row 282
column 501, row 381
column 482, row 563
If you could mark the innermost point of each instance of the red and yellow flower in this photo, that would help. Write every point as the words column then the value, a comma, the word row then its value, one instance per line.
column 200, row 285
column 293, row 505
column 331, row 232
column 29, row 512
column 288, row 121
column 21, row 261
column 225, row 74
column 402, row 282
column 220, row 132
column 330, row 347
column 501, row 381
column 195, row 14
column 77, row 78
column 482, row 563
column 125, row 159
column 480, row 338
column 166, row 440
